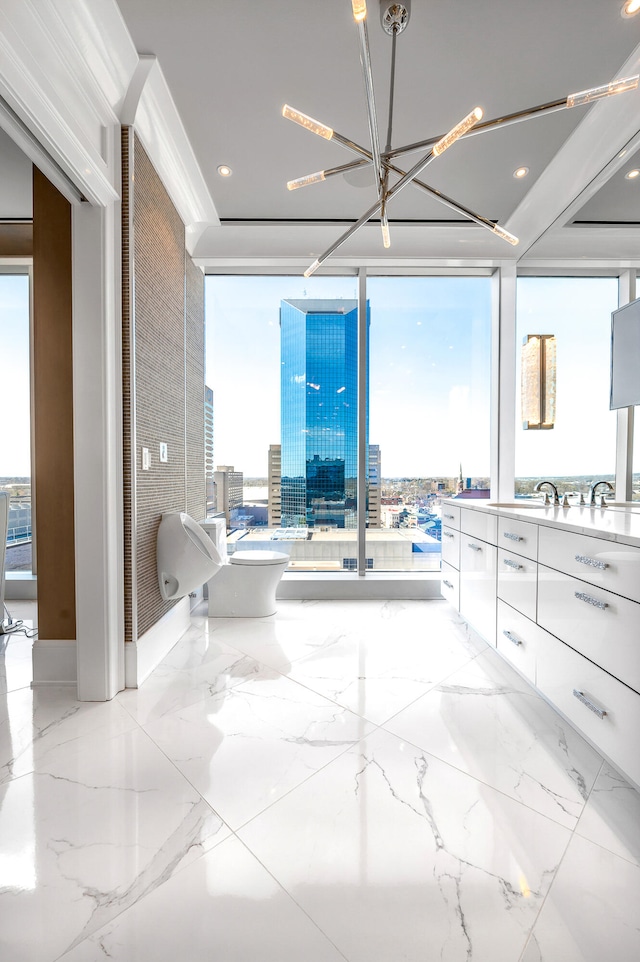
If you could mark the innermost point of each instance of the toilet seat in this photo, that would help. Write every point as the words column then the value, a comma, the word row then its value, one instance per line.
column 258, row 558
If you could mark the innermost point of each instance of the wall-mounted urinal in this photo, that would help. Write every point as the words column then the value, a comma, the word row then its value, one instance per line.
column 186, row 556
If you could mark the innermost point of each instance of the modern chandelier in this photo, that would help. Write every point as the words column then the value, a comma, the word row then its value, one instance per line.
column 394, row 18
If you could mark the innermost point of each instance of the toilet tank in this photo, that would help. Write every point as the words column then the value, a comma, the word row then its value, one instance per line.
column 216, row 528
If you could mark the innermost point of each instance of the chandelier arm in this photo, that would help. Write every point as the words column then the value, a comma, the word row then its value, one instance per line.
column 392, row 88
column 365, row 62
column 482, row 128
column 368, row 214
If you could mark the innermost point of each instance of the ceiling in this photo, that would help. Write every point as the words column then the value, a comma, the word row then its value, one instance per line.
column 232, row 64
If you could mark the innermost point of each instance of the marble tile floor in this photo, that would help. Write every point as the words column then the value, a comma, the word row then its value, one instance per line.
column 359, row 781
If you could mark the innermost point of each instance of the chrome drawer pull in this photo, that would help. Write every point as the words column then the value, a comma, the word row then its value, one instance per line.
column 451, row 517
column 474, row 547
column 446, row 534
column 511, row 537
column 512, row 564
column 589, row 600
column 447, row 583
column 511, row 637
column 580, row 695
column 584, row 560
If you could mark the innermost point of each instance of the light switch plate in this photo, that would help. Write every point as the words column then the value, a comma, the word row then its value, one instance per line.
column 146, row 459
column 164, row 454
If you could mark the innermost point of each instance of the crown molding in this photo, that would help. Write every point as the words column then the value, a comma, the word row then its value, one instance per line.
column 150, row 109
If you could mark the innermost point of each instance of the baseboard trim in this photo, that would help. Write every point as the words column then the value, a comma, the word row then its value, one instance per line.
column 20, row 586
column 375, row 586
column 54, row 663
column 145, row 654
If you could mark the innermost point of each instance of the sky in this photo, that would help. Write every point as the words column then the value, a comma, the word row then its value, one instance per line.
column 15, row 458
column 429, row 371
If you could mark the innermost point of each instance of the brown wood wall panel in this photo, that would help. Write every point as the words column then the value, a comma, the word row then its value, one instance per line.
column 53, row 411
column 16, row 240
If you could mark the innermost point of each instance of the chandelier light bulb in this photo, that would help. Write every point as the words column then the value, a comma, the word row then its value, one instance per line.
column 311, row 270
column 359, row 10
column 305, row 181
column 458, row 131
column 505, row 235
column 386, row 236
column 607, row 90
column 630, row 8
column 307, row 122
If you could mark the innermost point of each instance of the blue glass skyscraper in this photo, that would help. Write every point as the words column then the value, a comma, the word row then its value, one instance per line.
column 319, row 411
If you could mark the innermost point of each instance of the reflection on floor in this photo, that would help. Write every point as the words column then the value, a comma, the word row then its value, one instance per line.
column 345, row 780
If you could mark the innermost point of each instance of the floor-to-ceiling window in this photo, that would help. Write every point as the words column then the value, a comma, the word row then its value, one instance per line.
column 565, row 431
column 429, row 415
column 282, row 365
column 282, row 361
column 15, row 419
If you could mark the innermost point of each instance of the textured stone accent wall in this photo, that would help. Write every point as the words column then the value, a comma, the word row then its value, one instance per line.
column 194, row 340
column 164, row 323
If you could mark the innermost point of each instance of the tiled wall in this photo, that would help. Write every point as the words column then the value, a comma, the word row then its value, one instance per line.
column 163, row 339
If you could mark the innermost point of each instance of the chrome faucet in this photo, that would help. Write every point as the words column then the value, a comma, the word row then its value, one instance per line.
column 540, row 485
column 592, row 492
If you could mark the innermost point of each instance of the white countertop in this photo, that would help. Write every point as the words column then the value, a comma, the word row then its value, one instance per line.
column 621, row 523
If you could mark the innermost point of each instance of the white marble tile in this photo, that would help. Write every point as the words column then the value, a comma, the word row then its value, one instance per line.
column 246, row 748
column 86, row 840
column 225, row 907
column 611, row 817
column 16, row 664
column 283, row 638
column 487, row 721
column 592, row 913
column 397, row 855
column 380, row 667
column 39, row 727
column 196, row 667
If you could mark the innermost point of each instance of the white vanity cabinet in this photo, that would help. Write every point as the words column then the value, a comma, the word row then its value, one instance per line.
column 563, row 607
column 478, row 562
column 450, row 547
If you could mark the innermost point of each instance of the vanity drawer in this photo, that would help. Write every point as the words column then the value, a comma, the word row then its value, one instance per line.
column 479, row 525
column 516, row 640
column 517, row 582
column 597, row 623
column 478, row 586
column 451, row 516
column 608, row 564
column 450, row 584
column 451, row 546
column 561, row 672
column 518, row 536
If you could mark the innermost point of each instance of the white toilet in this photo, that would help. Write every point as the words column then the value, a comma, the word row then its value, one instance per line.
column 242, row 586
column 246, row 583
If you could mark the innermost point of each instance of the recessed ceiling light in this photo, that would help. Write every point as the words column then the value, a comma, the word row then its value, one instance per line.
column 630, row 8
column 520, row 172
column 632, row 174
column 224, row 171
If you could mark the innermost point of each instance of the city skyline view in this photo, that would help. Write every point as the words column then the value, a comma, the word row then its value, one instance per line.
column 422, row 332
column 430, row 367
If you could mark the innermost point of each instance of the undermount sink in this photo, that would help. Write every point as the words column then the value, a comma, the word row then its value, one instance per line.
column 518, row 504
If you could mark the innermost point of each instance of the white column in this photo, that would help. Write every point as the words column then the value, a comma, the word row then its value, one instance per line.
column 363, row 339
column 503, row 382
column 624, row 432
column 97, row 402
